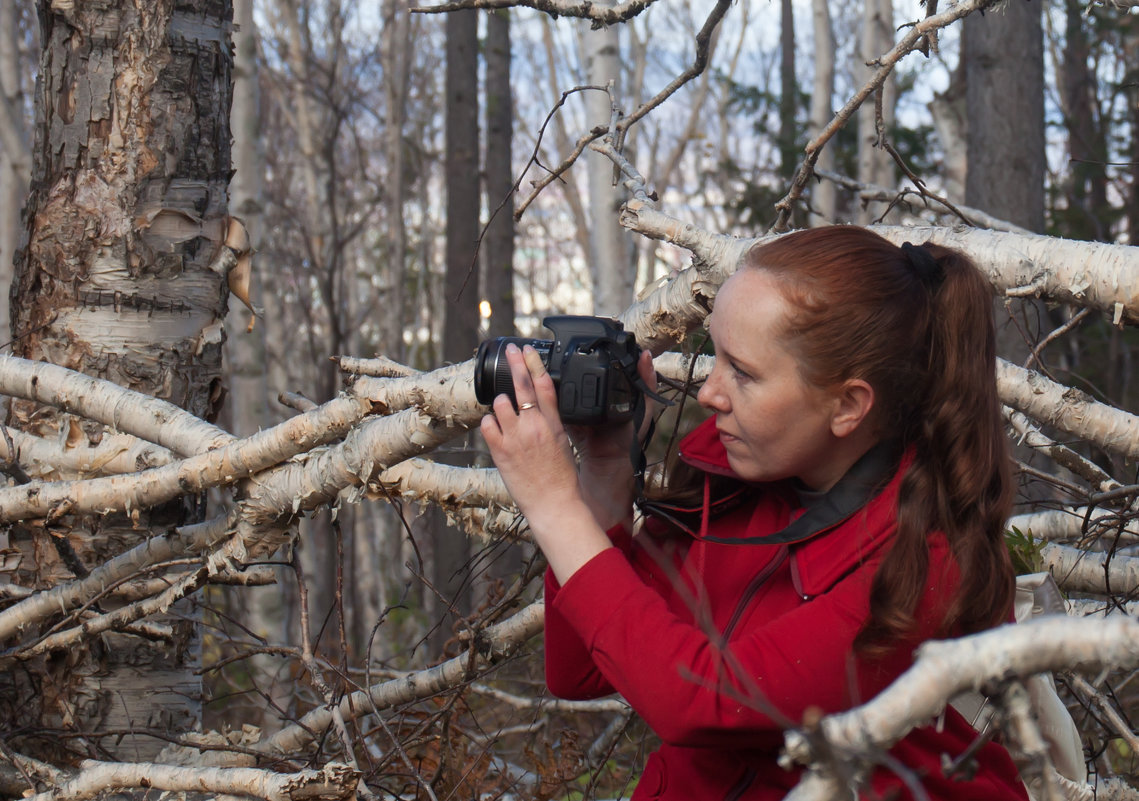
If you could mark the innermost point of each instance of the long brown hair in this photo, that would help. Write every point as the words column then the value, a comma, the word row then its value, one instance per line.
column 915, row 323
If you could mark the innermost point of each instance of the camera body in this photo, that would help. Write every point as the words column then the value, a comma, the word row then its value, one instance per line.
column 592, row 360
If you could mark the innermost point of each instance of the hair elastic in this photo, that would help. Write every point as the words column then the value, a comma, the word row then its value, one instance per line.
column 925, row 265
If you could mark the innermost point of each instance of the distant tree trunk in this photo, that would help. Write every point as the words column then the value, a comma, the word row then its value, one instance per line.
column 396, row 55
column 245, row 348
column 950, row 120
column 498, row 275
column 499, row 241
column 15, row 144
column 610, row 250
column 127, row 209
column 1086, row 185
column 1131, row 60
column 788, row 93
column 461, row 320
column 875, row 165
column 253, row 377
column 1003, row 58
column 823, row 193
column 1002, row 65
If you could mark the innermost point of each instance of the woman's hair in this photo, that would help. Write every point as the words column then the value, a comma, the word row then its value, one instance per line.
column 915, row 322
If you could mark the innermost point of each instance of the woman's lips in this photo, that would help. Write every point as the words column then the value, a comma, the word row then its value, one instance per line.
column 725, row 437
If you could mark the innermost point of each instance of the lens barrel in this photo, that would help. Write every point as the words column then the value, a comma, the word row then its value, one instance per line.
column 492, row 372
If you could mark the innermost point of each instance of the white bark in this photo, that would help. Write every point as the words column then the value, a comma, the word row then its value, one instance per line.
column 365, row 452
column 1077, row 570
column 334, row 782
column 224, row 465
column 1096, row 275
column 600, row 13
column 50, row 459
column 822, row 111
column 1029, row 435
column 875, row 120
column 131, row 412
column 1067, row 525
column 949, row 120
column 610, row 251
column 177, row 543
column 1068, row 409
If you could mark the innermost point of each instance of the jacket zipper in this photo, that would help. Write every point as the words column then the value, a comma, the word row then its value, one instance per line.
column 752, row 588
column 741, row 786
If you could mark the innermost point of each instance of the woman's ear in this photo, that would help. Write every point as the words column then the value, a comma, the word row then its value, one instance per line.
column 853, row 402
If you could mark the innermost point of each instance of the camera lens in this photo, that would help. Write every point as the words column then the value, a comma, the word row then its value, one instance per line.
column 492, row 372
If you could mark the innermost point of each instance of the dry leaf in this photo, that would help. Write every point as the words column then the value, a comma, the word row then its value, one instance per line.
column 74, row 434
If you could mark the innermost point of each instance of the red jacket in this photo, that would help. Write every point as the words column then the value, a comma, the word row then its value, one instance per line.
column 720, row 647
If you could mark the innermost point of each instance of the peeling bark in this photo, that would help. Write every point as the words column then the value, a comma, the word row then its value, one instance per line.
column 117, row 279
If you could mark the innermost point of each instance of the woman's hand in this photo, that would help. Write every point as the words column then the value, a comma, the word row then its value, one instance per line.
column 532, row 451
column 605, row 453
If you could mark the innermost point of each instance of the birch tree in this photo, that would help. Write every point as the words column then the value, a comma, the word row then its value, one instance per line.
column 15, row 134
column 122, row 278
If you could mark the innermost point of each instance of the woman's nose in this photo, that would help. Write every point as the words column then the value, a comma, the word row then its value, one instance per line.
column 709, row 395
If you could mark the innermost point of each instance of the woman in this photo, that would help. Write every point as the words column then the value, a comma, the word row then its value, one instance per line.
column 852, row 491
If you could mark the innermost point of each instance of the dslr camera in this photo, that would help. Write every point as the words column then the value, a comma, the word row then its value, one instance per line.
column 592, row 360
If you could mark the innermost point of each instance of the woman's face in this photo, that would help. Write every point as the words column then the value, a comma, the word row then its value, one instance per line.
column 773, row 424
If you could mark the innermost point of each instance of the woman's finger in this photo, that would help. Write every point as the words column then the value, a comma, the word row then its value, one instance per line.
column 524, row 392
column 544, row 389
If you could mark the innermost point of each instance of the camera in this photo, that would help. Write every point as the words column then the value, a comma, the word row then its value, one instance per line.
column 592, row 360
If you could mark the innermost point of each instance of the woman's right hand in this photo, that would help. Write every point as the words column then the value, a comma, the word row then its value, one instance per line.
column 605, row 468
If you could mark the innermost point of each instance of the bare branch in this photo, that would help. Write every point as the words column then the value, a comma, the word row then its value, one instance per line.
column 599, row 13
column 333, row 782
column 490, row 647
column 225, row 465
column 911, row 41
column 122, row 409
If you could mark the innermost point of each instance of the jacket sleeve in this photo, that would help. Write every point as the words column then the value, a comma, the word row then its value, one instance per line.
column 570, row 670
column 693, row 693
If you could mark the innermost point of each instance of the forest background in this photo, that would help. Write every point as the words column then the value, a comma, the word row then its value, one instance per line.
column 259, row 537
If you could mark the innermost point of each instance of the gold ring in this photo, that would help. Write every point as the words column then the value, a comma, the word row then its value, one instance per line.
column 526, row 406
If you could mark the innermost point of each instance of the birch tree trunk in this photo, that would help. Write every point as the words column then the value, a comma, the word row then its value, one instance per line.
column 15, row 143
column 247, row 363
column 610, row 249
column 127, row 210
column 875, row 165
column 1131, row 60
column 823, row 193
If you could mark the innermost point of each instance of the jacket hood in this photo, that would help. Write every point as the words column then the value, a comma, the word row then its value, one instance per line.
column 834, row 534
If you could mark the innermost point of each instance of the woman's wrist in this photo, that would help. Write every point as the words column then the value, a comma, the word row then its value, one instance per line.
column 569, row 536
column 608, row 491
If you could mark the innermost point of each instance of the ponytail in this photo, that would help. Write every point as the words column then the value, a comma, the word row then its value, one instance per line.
column 959, row 481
